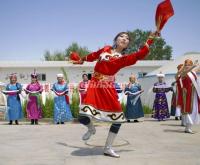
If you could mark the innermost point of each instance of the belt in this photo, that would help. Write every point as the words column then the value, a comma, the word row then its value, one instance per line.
column 103, row 77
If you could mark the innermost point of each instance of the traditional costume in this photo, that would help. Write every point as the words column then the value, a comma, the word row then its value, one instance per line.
column 191, row 100
column 134, row 108
column 82, row 88
column 14, row 108
column 101, row 101
column 62, row 111
column 160, row 106
column 177, row 100
column 34, row 105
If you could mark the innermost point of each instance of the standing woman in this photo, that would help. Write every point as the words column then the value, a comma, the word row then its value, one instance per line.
column 62, row 111
column 82, row 87
column 34, row 105
column 160, row 106
column 190, row 95
column 14, row 108
column 134, row 108
column 101, row 101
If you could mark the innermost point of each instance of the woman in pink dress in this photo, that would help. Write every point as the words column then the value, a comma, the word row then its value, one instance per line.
column 34, row 107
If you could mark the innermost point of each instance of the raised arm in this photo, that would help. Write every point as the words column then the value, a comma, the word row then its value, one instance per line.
column 185, row 71
column 93, row 56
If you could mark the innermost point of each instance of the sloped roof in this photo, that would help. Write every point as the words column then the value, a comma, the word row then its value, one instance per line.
column 171, row 67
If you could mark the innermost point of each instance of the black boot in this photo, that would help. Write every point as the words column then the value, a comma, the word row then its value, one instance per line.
column 176, row 118
column 135, row 121
column 32, row 121
column 62, row 122
column 10, row 123
column 16, row 122
column 36, row 121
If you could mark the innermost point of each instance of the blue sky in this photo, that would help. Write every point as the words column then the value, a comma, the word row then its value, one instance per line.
column 29, row 27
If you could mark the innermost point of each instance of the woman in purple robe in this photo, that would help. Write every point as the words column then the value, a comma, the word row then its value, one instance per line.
column 34, row 107
column 160, row 106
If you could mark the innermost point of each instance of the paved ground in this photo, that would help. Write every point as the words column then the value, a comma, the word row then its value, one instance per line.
column 145, row 143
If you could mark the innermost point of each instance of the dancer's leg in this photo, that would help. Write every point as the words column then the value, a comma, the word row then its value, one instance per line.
column 88, row 123
column 108, row 151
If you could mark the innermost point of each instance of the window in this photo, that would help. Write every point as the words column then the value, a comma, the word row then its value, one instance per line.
column 42, row 77
column 141, row 74
column 89, row 76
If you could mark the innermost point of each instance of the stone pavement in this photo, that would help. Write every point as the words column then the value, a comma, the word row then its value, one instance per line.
column 145, row 143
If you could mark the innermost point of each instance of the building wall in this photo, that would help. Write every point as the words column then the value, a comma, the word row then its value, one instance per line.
column 74, row 73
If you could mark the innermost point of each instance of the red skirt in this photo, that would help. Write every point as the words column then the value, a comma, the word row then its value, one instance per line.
column 101, row 101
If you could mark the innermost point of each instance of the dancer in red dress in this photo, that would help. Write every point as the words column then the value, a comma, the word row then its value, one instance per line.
column 190, row 95
column 101, row 101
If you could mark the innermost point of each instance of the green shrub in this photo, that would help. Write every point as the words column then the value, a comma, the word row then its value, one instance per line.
column 24, row 104
column 48, row 108
column 147, row 109
column 123, row 105
column 74, row 106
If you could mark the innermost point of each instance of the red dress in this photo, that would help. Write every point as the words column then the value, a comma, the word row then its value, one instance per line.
column 188, row 94
column 83, row 85
column 179, row 97
column 101, row 101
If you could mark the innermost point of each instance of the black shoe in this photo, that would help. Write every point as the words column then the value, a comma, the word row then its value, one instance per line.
column 176, row 118
column 180, row 118
column 57, row 123
column 128, row 121
column 62, row 123
column 135, row 121
column 36, row 121
column 32, row 121
column 10, row 123
column 16, row 122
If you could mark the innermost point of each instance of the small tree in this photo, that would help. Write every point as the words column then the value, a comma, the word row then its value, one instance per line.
column 159, row 49
column 74, row 47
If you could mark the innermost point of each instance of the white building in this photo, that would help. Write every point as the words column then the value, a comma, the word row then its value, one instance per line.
column 47, row 70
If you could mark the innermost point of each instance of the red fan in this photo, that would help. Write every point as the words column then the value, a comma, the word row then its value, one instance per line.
column 74, row 56
column 163, row 13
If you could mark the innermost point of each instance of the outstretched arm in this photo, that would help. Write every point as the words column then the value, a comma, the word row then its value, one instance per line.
column 131, row 59
column 184, row 71
column 94, row 55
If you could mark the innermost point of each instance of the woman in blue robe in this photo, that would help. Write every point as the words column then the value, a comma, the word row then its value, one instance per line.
column 14, row 108
column 134, row 108
column 62, row 111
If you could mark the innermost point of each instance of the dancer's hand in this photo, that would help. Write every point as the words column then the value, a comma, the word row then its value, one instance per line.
column 78, row 62
column 154, row 34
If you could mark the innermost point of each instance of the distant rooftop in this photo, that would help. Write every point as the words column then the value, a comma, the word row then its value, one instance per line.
column 171, row 68
column 44, row 64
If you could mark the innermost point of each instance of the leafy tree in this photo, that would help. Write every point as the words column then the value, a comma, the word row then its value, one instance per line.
column 159, row 50
column 74, row 47
column 56, row 56
column 61, row 56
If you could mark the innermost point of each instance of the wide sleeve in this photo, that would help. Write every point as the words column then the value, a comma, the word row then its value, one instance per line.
column 19, row 86
column 131, row 59
column 95, row 55
column 139, row 87
column 54, row 87
column 7, row 87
